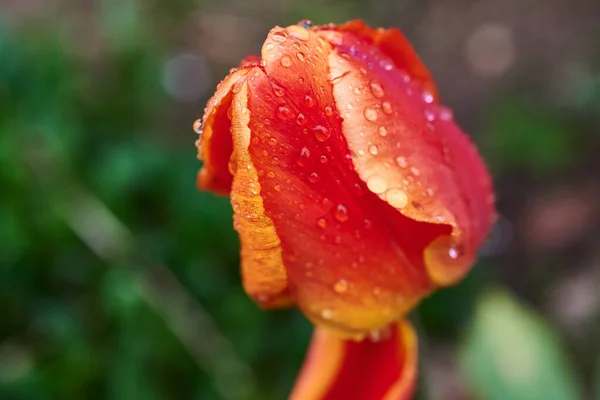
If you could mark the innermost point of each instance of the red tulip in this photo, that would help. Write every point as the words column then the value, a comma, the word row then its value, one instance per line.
column 355, row 194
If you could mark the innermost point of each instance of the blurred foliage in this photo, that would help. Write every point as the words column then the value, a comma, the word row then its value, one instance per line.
column 510, row 353
column 97, row 170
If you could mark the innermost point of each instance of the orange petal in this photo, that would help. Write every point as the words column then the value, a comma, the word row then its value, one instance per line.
column 263, row 274
column 336, row 369
column 215, row 149
column 346, row 253
column 397, row 49
column 410, row 152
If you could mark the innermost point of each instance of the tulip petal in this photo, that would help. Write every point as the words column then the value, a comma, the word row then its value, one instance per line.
column 397, row 49
column 345, row 267
column 263, row 274
column 409, row 151
column 336, row 369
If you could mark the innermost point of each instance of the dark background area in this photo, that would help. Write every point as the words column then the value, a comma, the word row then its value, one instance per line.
column 119, row 280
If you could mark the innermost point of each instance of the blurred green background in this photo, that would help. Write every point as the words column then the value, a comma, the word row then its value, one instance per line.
column 119, row 280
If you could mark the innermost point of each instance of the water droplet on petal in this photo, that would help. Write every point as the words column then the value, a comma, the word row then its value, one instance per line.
column 373, row 149
column 322, row 223
column 300, row 119
column 386, row 64
column 321, row 133
column 269, row 46
column 428, row 97
column 382, row 131
column 300, row 56
column 271, row 174
column 386, row 107
column 305, row 23
column 279, row 37
column 286, row 61
column 284, row 113
column 376, row 89
column 278, row 90
column 298, row 32
column 341, row 286
column 313, row 177
column 310, row 102
column 197, row 126
column 327, row 313
column 328, row 111
column 429, row 115
column 370, row 114
column 396, row 198
column 377, row 184
column 341, row 213
column 323, row 159
column 401, row 161
column 415, row 171
column 446, row 114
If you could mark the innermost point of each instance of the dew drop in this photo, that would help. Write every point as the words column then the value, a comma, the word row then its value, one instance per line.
column 341, row 286
column 453, row 253
column 373, row 149
column 386, row 107
column 396, row 198
column 300, row 119
column 327, row 313
column 446, row 114
column 428, row 97
column 300, row 56
column 313, row 177
column 304, row 156
column 415, row 171
column 197, row 126
column 322, row 223
column 305, row 23
column 278, row 90
column 382, row 131
column 321, row 133
column 323, row 159
column 271, row 174
column 386, row 64
column 284, row 113
column 341, row 213
column 370, row 114
column 429, row 115
column 367, row 223
column 328, row 111
column 298, row 32
column 401, row 161
column 269, row 46
column 286, row 61
column 377, row 184
column 376, row 89
column 279, row 37
column 310, row 102
column 358, row 190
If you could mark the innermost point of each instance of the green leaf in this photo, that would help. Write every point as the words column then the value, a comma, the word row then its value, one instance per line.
column 510, row 352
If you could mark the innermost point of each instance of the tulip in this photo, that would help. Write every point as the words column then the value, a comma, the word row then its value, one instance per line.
column 355, row 194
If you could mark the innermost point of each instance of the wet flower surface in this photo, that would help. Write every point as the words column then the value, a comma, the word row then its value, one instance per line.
column 354, row 192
